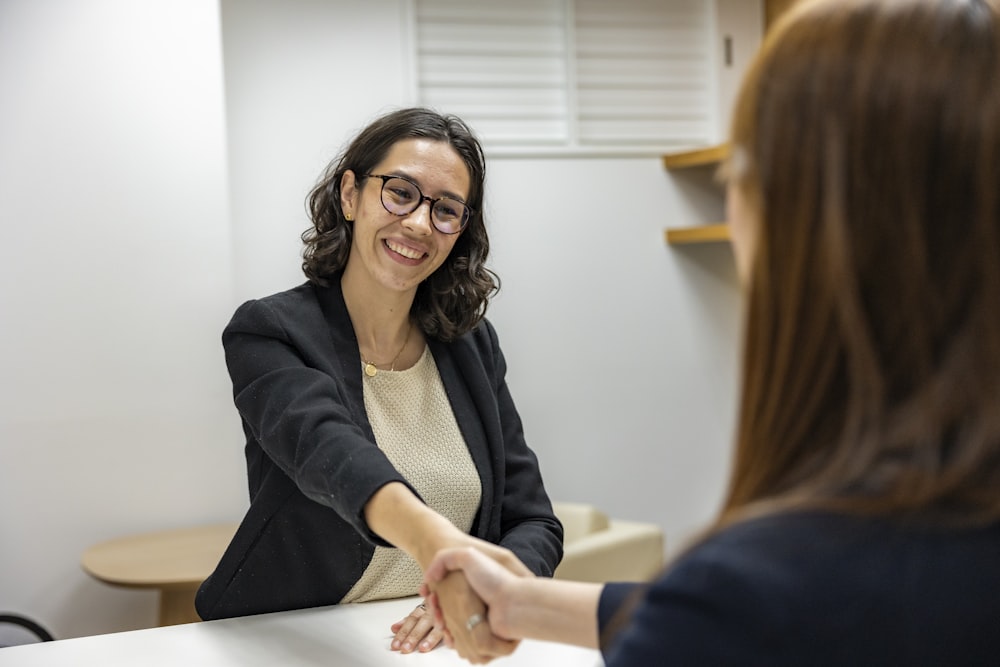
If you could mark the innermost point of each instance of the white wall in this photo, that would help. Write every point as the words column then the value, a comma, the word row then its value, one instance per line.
column 302, row 76
column 120, row 268
column 115, row 281
column 622, row 350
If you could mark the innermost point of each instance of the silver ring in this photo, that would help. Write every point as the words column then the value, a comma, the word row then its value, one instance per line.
column 422, row 605
column 473, row 621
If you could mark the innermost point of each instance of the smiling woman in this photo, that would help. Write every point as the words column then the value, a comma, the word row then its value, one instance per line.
column 373, row 397
column 398, row 242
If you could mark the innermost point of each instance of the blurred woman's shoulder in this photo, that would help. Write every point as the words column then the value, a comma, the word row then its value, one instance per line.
column 825, row 588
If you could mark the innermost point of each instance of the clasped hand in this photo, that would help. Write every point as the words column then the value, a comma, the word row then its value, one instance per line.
column 463, row 588
column 453, row 610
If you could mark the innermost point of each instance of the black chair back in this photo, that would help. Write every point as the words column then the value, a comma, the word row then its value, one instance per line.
column 16, row 629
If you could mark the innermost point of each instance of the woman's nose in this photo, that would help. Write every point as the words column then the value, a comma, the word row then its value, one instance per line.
column 419, row 220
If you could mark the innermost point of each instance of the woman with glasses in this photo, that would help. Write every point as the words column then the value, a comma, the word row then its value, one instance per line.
column 379, row 426
column 862, row 524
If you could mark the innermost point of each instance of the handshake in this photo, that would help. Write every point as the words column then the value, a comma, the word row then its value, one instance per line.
column 470, row 592
column 480, row 599
column 484, row 601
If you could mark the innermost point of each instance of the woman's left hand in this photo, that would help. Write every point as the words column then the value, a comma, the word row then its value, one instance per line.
column 416, row 632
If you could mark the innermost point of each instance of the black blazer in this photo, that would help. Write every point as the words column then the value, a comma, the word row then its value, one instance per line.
column 312, row 461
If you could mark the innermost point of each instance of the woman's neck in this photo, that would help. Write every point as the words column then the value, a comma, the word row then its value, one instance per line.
column 380, row 317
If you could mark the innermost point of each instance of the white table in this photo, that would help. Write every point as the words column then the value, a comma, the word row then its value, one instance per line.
column 349, row 635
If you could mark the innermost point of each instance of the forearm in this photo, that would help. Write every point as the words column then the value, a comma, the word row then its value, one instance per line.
column 552, row 610
column 396, row 515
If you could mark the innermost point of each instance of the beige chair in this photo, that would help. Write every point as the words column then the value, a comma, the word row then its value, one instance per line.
column 600, row 549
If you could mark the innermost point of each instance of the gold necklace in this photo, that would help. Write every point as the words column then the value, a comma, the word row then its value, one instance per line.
column 371, row 369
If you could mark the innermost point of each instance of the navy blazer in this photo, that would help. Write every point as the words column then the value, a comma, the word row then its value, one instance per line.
column 816, row 589
column 312, row 461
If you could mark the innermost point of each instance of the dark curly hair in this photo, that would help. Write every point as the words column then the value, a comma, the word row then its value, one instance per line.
column 453, row 299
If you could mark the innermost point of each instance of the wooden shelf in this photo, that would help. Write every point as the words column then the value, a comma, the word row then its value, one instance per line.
column 699, row 157
column 710, row 156
column 698, row 234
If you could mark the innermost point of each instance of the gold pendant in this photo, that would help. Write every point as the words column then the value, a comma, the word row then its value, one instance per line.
column 370, row 369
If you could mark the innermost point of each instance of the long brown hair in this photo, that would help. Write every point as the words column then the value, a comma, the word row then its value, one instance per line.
column 866, row 141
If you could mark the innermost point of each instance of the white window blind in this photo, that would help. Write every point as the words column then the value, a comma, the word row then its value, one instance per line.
column 609, row 76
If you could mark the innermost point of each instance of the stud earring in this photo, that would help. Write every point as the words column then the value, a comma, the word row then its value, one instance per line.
column 348, row 217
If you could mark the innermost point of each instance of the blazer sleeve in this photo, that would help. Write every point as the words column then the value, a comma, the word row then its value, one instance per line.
column 717, row 606
column 528, row 525
column 299, row 411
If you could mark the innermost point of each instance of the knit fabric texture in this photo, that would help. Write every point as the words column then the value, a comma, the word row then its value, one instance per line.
column 415, row 426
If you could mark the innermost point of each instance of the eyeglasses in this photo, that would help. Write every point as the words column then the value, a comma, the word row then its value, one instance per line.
column 401, row 196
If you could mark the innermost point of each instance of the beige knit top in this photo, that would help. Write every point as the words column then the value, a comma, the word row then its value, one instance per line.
column 414, row 425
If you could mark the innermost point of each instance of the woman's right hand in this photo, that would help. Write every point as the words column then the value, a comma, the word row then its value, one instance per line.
column 488, row 578
column 421, row 631
column 399, row 517
column 461, row 616
column 458, row 602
